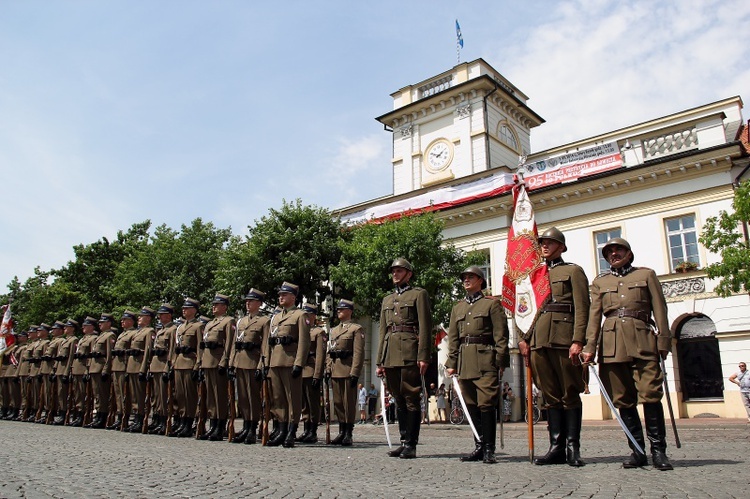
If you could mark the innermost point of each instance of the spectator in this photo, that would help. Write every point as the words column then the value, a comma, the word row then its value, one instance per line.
column 742, row 379
column 440, row 402
column 372, row 398
column 507, row 401
column 362, row 395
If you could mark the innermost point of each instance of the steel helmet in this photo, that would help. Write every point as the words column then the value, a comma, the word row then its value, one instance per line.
column 403, row 263
column 477, row 272
column 556, row 235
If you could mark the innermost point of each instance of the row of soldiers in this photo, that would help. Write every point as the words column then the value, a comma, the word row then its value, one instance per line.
column 186, row 371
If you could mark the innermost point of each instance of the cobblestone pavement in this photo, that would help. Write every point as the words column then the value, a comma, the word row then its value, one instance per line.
column 45, row 461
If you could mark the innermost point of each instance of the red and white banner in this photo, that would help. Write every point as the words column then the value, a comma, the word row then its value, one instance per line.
column 6, row 338
column 571, row 166
column 526, row 285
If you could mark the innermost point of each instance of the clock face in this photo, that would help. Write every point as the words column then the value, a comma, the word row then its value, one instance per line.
column 439, row 155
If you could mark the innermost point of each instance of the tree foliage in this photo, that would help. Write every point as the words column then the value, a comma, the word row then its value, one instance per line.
column 367, row 254
column 727, row 236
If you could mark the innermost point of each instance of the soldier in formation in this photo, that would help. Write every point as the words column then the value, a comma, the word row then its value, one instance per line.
column 312, row 375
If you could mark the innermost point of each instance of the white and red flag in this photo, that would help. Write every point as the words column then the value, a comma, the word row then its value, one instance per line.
column 526, row 285
column 6, row 330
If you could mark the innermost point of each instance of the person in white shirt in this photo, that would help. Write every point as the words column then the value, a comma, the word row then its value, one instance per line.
column 742, row 379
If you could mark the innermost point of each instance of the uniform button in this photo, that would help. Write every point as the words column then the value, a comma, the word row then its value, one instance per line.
column 622, row 296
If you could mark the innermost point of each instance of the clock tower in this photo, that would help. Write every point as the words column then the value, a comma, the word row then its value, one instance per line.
column 466, row 120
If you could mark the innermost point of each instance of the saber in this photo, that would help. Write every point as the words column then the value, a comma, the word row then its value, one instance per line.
column 426, row 402
column 502, row 414
column 384, row 414
column 460, row 394
column 669, row 403
column 612, row 407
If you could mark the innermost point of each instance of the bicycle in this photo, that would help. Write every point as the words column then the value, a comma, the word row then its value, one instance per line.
column 456, row 415
column 536, row 414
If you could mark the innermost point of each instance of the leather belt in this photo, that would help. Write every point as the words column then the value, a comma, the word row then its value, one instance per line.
column 558, row 307
column 641, row 315
column 245, row 345
column 340, row 354
column 211, row 345
column 478, row 340
column 281, row 340
column 403, row 329
column 160, row 351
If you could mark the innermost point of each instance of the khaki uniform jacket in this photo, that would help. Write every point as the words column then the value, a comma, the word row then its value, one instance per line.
column 347, row 338
column 38, row 352
column 316, row 357
column 626, row 338
column 293, row 323
column 101, row 362
column 80, row 359
column 120, row 358
column 411, row 308
column 65, row 355
column 158, row 351
column 49, row 354
column 560, row 329
column 8, row 369
column 481, row 318
column 23, row 354
column 250, row 330
column 219, row 330
column 188, row 335
column 136, row 360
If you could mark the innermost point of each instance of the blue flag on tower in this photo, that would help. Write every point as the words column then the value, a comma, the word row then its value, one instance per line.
column 459, row 38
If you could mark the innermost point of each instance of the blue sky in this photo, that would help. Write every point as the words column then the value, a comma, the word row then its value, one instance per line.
column 113, row 112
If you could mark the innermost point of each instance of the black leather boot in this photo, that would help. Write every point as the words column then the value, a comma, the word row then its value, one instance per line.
column 413, row 422
column 218, row 435
column 42, row 418
column 177, row 425
column 93, row 422
column 290, row 435
column 478, row 453
column 348, row 430
column 186, row 430
column 276, row 428
column 240, row 437
column 338, row 438
column 252, row 432
column 489, row 435
column 155, row 420
column 116, row 424
column 305, row 433
column 160, row 427
column 657, row 435
column 573, row 419
column 59, row 418
column 101, row 421
column 137, row 425
column 633, row 423
column 401, row 418
column 77, row 419
column 556, row 428
column 312, row 437
column 280, row 436
column 213, row 422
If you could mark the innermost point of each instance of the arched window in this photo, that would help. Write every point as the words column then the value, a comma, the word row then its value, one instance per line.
column 507, row 135
column 699, row 358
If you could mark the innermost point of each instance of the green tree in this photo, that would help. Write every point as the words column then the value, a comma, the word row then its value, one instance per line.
column 363, row 272
column 296, row 243
column 722, row 235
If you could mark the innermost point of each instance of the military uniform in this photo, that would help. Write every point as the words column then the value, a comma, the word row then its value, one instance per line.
column 24, row 374
column 346, row 355
column 49, row 360
column 477, row 350
column 35, row 372
column 63, row 370
column 629, row 344
column 13, row 380
column 136, row 370
column 119, row 372
column 11, row 389
column 186, row 354
column 80, row 372
column 100, row 365
column 312, row 374
column 23, row 354
column 405, row 339
column 158, row 355
column 251, row 334
column 286, row 350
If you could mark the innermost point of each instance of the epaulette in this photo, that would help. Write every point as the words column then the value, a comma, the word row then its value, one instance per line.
column 606, row 272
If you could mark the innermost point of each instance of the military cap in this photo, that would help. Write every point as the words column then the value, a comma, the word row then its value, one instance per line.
column 219, row 298
column 58, row 325
column 128, row 314
column 33, row 328
column 254, row 294
column 310, row 308
column 89, row 321
column 22, row 334
column 44, row 327
column 191, row 303
column 403, row 263
column 107, row 317
column 556, row 235
column 204, row 319
column 477, row 272
column 147, row 311
column 165, row 308
column 345, row 304
column 616, row 241
column 71, row 323
column 288, row 287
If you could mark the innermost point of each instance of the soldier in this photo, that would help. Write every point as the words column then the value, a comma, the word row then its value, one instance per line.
column 157, row 355
column 252, row 332
column 120, row 366
column 346, row 354
column 626, row 297
column 404, row 352
column 185, row 355
column 24, row 373
column 17, row 382
column 11, row 392
column 49, row 359
column 287, row 349
column 137, row 368
column 312, row 373
column 554, row 346
column 63, row 369
column 217, row 339
column 35, row 372
column 100, row 365
column 79, row 370
column 478, row 354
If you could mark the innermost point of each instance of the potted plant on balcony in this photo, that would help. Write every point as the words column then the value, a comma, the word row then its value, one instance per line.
column 685, row 266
